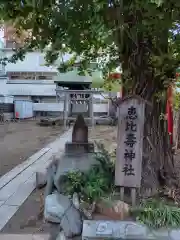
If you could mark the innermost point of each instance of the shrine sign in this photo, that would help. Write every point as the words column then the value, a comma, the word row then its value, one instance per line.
column 130, row 143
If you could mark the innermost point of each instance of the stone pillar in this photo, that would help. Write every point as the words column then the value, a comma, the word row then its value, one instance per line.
column 66, row 108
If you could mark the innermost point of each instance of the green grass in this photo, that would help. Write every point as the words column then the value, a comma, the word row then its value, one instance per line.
column 157, row 214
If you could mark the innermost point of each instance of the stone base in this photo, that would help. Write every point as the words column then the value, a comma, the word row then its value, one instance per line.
column 125, row 230
column 78, row 148
column 75, row 162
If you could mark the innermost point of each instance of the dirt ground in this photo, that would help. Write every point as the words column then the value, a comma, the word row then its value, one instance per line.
column 26, row 218
column 20, row 140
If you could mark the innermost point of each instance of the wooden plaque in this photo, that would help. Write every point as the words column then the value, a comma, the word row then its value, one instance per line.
column 130, row 143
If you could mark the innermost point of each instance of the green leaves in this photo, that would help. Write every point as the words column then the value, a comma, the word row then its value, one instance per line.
column 95, row 183
column 156, row 213
column 96, row 31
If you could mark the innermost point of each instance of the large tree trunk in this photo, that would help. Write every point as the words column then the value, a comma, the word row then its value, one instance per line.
column 139, row 78
column 158, row 165
column 177, row 131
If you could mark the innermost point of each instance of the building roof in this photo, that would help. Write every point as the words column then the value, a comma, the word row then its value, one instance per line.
column 73, row 84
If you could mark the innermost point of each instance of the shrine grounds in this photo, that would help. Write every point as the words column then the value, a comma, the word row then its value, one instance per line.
column 20, row 140
column 29, row 219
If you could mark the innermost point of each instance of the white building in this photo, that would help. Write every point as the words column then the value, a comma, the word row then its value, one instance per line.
column 31, row 79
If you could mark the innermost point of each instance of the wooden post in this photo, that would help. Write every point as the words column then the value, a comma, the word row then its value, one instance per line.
column 66, row 109
column 130, row 145
column 133, row 196
column 122, row 193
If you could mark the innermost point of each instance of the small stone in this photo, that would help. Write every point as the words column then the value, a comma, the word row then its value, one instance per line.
column 114, row 209
column 72, row 223
column 75, row 200
column 41, row 179
column 60, row 209
column 55, row 206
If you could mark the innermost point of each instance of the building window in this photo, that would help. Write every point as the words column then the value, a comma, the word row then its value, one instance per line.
column 15, row 77
column 42, row 77
column 31, row 76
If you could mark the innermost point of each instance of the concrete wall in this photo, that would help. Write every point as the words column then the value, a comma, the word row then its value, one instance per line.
column 35, row 62
column 22, row 98
column 48, row 99
column 3, row 86
column 32, row 89
column 32, row 62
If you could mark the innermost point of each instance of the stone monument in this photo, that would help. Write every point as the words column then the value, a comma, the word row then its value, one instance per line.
column 80, row 130
column 79, row 143
column 78, row 155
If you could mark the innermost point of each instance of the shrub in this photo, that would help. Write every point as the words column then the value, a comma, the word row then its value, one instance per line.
column 95, row 183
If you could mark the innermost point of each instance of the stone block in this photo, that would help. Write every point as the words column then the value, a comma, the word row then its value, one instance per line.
column 69, row 163
column 126, row 230
column 73, row 148
column 174, row 234
column 161, row 234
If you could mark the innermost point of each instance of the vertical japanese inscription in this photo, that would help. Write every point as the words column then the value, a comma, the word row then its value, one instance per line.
column 130, row 130
column 129, row 143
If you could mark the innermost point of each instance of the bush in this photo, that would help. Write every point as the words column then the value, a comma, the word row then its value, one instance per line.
column 97, row 182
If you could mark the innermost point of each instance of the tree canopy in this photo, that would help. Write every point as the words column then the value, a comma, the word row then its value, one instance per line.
column 141, row 36
column 103, row 31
